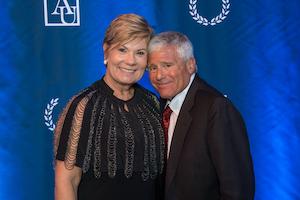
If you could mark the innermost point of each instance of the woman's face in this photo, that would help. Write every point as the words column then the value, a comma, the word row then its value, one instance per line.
column 126, row 63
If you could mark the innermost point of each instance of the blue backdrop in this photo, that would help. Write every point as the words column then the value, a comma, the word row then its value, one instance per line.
column 50, row 49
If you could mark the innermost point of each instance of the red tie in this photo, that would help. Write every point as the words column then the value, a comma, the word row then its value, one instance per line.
column 166, row 122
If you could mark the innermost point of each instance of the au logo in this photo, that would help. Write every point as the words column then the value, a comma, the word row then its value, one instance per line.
column 61, row 13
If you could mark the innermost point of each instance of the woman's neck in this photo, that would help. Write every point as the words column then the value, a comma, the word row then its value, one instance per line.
column 123, row 92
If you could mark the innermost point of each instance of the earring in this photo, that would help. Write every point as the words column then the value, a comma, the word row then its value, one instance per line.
column 105, row 62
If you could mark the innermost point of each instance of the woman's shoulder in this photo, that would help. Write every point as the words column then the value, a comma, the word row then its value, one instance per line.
column 147, row 95
column 84, row 94
column 75, row 107
column 81, row 97
column 72, row 124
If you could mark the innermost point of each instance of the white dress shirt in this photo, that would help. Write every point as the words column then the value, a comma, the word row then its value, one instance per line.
column 175, row 104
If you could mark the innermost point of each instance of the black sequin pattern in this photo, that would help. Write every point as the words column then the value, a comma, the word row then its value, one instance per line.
column 121, row 135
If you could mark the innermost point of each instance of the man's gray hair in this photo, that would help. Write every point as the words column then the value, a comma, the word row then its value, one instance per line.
column 183, row 44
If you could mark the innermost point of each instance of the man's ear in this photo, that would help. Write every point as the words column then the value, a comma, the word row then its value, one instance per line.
column 191, row 65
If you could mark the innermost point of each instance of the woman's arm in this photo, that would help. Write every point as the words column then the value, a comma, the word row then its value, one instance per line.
column 66, row 181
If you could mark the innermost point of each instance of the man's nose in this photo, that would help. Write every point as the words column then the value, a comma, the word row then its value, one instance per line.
column 159, row 73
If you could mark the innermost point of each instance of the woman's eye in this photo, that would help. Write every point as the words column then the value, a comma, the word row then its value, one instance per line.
column 141, row 53
column 122, row 50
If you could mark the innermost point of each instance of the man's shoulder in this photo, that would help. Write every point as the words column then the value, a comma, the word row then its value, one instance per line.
column 201, row 88
column 208, row 96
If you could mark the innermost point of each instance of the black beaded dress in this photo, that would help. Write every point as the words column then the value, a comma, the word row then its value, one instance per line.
column 119, row 145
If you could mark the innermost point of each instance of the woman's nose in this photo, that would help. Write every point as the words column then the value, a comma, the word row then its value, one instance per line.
column 130, row 59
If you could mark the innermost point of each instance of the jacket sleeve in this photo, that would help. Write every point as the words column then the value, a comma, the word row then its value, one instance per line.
column 230, row 152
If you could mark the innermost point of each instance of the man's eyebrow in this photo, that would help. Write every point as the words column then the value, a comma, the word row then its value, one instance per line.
column 165, row 62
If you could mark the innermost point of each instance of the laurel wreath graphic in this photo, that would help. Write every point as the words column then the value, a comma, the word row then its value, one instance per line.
column 48, row 114
column 202, row 20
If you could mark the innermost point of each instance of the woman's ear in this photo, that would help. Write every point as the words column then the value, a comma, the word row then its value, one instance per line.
column 105, row 50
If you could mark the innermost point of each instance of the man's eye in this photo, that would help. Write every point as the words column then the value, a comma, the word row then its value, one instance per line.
column 166, row 65
column 152, row 68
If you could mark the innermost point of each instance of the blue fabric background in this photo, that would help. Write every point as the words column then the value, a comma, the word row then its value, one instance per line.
column 253, row 57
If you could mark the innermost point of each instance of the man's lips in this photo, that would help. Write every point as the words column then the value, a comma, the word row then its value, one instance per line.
column 163, row 85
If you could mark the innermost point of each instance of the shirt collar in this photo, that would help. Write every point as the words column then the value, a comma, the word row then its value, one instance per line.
column 176, row 103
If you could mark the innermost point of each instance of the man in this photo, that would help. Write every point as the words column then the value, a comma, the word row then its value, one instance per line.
column 208, row 155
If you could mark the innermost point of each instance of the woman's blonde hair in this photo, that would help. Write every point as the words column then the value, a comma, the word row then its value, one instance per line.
column 125, row 28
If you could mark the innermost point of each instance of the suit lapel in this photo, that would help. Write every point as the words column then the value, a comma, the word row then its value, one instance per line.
column 181, row 129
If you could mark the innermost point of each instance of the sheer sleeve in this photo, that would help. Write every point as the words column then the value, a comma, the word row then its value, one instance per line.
column 71, row 132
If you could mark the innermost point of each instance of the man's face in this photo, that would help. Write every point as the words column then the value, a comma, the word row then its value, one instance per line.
column 169, row 73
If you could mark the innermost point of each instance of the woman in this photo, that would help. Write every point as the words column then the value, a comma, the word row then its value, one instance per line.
column 109, row 143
